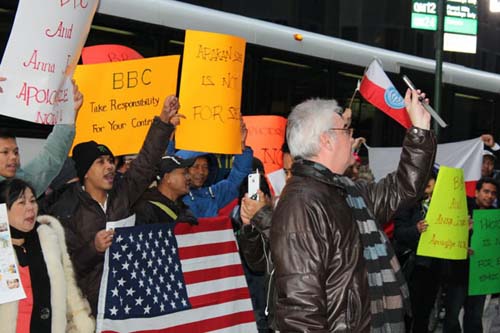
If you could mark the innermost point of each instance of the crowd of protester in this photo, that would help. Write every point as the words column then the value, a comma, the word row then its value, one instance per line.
column 316, row 257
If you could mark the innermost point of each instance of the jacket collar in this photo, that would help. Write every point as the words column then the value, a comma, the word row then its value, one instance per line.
column 317, row 171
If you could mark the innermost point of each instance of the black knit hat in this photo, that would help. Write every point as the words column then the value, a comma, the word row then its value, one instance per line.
column 85, row 153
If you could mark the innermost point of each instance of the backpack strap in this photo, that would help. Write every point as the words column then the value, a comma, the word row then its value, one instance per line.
column 166, row 209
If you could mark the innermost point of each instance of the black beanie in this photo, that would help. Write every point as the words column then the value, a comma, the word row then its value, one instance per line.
column 85, row 153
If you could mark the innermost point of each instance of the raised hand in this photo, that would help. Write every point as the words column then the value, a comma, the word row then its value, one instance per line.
column 418, row 115
column 250, row 207
column 244, row 133
column 488, row 140
column 169, row 113
column 77, row 97
column 2, row 79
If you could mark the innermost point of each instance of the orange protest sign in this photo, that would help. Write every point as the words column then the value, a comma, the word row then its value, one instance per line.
column 108, row 53
column 266, row 135
column 121, row 100
column 210, row 93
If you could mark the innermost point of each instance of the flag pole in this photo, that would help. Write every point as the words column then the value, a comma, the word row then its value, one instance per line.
column 439, row 61
column 354, row 95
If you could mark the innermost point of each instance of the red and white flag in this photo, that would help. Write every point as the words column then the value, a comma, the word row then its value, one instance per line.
column 377, row 89
column 467, row 155
column 165, row 279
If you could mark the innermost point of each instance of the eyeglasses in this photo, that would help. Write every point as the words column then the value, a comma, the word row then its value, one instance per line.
column 348, row 131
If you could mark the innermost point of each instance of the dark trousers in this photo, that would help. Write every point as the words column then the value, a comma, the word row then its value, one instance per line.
column 257, row 287
column 424, row 285
column 456, row 297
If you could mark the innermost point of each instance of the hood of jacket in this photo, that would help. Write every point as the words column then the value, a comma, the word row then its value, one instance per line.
column 213, row 165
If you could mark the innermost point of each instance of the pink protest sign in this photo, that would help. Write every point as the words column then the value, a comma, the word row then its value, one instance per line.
column 108, row 53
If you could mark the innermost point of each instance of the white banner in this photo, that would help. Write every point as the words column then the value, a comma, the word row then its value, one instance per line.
column 467, row 155
column 42, row 52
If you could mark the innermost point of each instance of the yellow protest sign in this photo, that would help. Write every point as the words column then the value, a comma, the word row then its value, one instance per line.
column 210, row 93
column 448, row 231
column 121, row 100
column 266, row 135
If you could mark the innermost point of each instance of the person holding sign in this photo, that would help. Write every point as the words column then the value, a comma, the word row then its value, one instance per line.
column 335, row 269
column 86, row 206
column 458, row 279
column 53, row 303
column 46, row 165
column 204, row 199
column 422, row 273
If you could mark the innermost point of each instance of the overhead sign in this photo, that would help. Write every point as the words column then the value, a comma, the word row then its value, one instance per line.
column 460, row 17
column 460, row 22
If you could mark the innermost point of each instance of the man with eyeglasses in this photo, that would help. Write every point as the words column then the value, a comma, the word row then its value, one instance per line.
column 335, row 269
column 163, row 203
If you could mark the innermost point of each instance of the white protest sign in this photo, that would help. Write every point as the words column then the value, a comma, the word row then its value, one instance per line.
column 11, row 288
column 42, row 52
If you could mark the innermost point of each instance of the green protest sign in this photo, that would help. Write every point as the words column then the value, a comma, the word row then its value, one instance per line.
column 484, row 272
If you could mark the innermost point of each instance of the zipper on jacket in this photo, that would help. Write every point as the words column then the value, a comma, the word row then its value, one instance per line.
column 271, row 276
column 269, row 266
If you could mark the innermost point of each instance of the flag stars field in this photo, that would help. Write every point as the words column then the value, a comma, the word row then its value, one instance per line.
column 166, row 281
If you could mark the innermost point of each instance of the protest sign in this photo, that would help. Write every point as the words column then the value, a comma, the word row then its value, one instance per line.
column 121, row 100
column 266, row 135
column 447, row 234
column 40, row 57
column 11, row 288
column 210, row 93
column 484, row 272
column 108, row 53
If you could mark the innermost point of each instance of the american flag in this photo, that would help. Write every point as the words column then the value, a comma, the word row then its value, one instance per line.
column 158, row 278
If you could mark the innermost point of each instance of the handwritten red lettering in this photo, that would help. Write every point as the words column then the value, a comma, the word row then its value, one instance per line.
column 37, row 65
column 29, row 94
column 61, row 31
column 47, row 118
column 76, row 3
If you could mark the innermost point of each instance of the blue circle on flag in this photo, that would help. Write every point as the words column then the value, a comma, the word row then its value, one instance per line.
column 393, row 98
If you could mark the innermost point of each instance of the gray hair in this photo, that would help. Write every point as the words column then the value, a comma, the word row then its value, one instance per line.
column 306, row 123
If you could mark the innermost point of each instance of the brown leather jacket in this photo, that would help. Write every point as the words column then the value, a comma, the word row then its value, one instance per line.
column 320, row 272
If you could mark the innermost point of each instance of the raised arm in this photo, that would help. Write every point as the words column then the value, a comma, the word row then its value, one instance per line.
column 227, row 189
column 46, row 165
column 143, row 169
column 404, row 186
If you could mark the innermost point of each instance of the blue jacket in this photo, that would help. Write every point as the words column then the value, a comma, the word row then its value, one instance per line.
column 40, row 171
column 208, row 200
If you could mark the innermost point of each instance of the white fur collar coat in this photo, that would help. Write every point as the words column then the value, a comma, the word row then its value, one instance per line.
column 70, row 311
